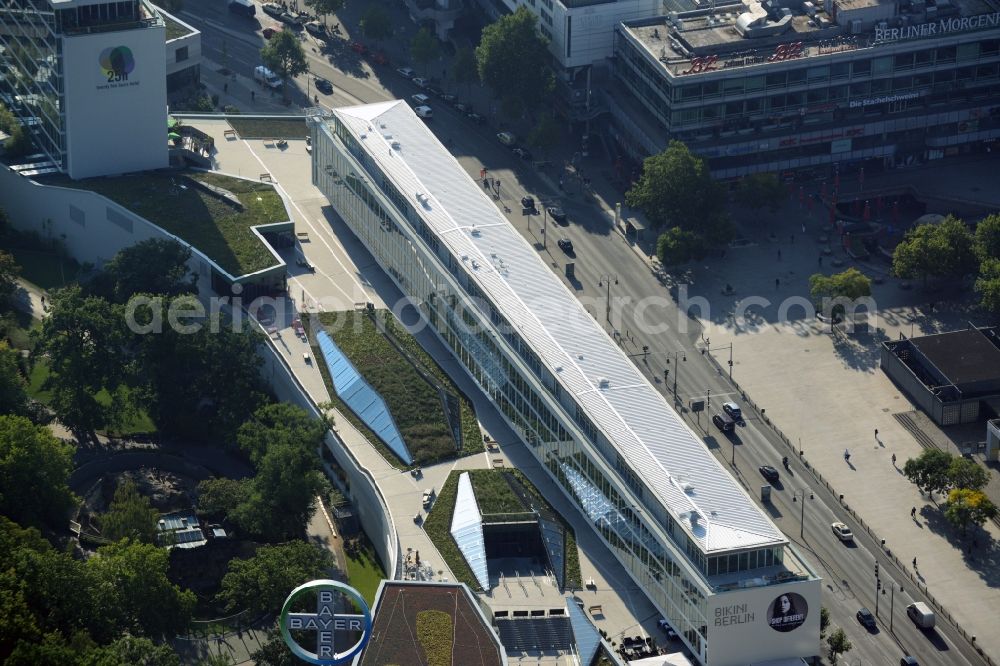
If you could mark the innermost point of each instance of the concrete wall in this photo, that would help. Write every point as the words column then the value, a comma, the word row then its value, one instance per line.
column 92, row 228
column 365, row 496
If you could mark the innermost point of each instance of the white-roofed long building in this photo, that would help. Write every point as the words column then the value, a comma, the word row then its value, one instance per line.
column 719, row 570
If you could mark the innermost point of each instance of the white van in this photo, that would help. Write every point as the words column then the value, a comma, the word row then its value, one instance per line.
column 420, row 100
column 921, row 614
column 424, row 112
column 267, row 77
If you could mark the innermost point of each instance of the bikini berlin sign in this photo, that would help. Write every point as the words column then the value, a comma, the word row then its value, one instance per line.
column 944, row 26
column 326, row 622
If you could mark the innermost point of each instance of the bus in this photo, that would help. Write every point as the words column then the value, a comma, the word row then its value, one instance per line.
column 244, row 7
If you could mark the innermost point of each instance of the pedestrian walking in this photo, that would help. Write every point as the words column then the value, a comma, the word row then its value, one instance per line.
column 914, row 563
column 876, row 433
column 847, row 455
column 913, row 512
column 893, row 459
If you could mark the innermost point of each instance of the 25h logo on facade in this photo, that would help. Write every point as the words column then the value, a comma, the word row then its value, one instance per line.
column 117, row 62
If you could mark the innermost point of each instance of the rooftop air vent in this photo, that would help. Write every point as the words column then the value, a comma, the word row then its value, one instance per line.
column 694, row 517
column 395, row 145
column 475, row 265
column 475, row 232
column 686, row 486
column 603, row 382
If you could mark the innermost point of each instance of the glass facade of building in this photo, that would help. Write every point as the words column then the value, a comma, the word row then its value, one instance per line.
column 31, row 59
column 912, row 82
column 671, row 568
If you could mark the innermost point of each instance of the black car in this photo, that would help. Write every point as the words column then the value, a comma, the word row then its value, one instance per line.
column 462, row 108
column 432, row 90
column 528, row 202
column 566, row 245
column 448, row 97
column 723, row 422
column 866, row 619
column 323, row 86
column 557, row 214
column 769, row 473
column 475, row 117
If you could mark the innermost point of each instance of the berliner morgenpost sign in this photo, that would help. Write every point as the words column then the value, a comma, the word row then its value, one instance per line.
column 326, row 622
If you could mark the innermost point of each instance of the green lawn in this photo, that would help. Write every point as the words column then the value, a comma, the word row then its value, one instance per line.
column 364, row 571
column 211, row 224
column 137, row 423
column 270, row 128
column 414, row 403
column 174, row 29
column 493, row 495
column 45, row 268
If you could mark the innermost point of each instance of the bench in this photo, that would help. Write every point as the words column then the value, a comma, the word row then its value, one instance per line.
column 230, row 134
column 497, row 462
column 596, row 610
column 266, row 176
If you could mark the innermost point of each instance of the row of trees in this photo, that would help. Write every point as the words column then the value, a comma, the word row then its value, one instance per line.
column 950, row 250
column 195, row 385
column 961, row 479
column 18, row 140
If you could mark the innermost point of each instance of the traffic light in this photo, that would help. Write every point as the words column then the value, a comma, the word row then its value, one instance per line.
column 876, row 569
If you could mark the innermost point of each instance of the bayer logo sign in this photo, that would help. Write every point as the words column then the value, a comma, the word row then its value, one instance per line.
column 331, row 616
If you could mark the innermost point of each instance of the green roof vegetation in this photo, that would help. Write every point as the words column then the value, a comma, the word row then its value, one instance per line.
column 174, row 29
column 210, row 223
column 402, row 381
column 435, row 634
column 364, row 571
column 493, row 495
column 270, row 128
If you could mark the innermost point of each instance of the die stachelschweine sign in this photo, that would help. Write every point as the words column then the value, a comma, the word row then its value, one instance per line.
column 934, row 28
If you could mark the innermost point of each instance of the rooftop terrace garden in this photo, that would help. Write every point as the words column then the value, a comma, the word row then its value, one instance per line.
column 213, row 224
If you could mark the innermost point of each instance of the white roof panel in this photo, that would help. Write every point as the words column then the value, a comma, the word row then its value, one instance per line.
column 631, row 413
column 467, row 530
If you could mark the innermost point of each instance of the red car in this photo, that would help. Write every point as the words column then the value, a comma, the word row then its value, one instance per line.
column 358, row 47
column 379, row 58
column 269, row 33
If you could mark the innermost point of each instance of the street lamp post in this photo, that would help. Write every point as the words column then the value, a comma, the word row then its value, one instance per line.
column 666, row 372
column 800, row 497
column 892, row 598
column 729, row 347
column 605, row 281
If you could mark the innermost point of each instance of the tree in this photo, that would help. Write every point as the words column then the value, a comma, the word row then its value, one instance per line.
column 929, row 471
column 221, row 497
column 935, row 250
column 965, row 473
column 273, row 652
column 131, row 650
column 988, row 237
column 375, row 23
column 677, row 246
column 284, row 56
column 81, row 340
column 988, row 285
column 18, row 142
column 424, row 48
column 262, row 582
column 156, row 266
column 838, row 644
column 34, row 470
column 130, row 515
column 13, row 388
column 851, row 285
column 148, row 603
column 325, row 7
column 761, row 189
column 511, row 56
column 9, row 272
column 676, row 189
column 464, row 68
column 824, row 619
column 279, row 422
column 965, row 506
column 279, row 500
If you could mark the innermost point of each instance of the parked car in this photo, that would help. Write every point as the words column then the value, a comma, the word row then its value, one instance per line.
column 420, row 81
column 428, row 498
column 359, row 48
column 379, row 58
column 866, row 619
column 723, row 423
column 842, row 531
column 448, row 97
column 566, row 245
column 405, row 72
column 528, row 202
column 908, row 661
column 506, row 138
column 557, row 214
column 424, row 112
column 462, row 108
column 291, row 20
column 316, row 29
column 734, row 411
column 272, row 9
column 769, row 473
column 323, row 86
column 433, row 90
column 523, row 153
column 475, row 117
column 420, row 99
column 667, row 629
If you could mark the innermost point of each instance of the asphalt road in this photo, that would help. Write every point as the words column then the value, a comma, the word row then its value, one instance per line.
column 601, row 257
